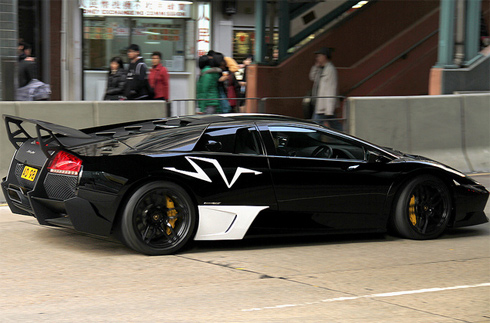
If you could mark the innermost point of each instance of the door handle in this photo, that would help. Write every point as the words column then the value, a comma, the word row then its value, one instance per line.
column 353, row 167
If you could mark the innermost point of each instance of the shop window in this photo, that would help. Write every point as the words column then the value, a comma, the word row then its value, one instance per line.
column 243, row 44
column 106, row 37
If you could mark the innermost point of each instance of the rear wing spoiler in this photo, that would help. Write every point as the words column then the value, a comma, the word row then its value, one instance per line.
column 48, row 142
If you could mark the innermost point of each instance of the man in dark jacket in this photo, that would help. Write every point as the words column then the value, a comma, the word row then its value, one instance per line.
column 137, row 87
column 27, row 65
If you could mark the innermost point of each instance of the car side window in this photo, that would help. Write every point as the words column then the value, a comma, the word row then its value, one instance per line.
column 236, row 140
column 295, row 141
column 175, row 139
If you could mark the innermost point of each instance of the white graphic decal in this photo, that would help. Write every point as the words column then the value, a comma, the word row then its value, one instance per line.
column 200, row 174
column 225, row 222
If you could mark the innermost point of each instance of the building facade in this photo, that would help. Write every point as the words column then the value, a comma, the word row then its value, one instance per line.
column 8, row 46
column 74, row 40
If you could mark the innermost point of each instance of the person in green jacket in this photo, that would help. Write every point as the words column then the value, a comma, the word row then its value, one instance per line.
column 207, row 86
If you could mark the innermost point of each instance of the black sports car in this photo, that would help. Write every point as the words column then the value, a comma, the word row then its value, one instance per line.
column 157, row 184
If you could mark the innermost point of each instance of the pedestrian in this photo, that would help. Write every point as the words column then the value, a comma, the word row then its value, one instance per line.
column 324, row 77
column 159, row 78
column 207, row 86
column 116, row 80
column 23, row 50
column 231, row 84
column 137, row 86
column 218, row 61
column 242, row 80
column 27, row 65
column 30, row 88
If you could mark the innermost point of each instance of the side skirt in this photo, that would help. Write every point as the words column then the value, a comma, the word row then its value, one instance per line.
column 225, row 222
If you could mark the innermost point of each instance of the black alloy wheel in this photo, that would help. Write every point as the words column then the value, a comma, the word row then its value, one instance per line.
column 159, row 219
column 422, row 209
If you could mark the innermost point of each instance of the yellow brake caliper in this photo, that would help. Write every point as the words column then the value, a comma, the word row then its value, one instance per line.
column 171, row 214
column 411, row 211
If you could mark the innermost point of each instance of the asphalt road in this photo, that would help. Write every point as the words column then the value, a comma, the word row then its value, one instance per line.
column 57, row 275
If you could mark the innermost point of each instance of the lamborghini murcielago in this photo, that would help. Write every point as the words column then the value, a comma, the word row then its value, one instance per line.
column 159, row 184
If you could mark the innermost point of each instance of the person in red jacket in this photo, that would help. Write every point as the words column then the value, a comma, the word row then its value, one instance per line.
column 159, row 79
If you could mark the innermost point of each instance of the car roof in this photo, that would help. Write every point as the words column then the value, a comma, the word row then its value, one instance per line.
column 229, row 117
column 133, row 127
column 144, row 126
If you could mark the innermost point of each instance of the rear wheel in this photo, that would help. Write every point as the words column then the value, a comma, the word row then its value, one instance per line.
column 158, row 219
column 422, row 209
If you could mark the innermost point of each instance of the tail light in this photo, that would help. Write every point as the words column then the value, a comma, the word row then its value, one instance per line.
column 65, row 163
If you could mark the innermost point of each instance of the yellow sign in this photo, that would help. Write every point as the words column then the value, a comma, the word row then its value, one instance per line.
column 29, row 173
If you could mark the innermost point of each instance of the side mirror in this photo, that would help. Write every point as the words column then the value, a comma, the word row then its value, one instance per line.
column 213, row 145
column 374, row 157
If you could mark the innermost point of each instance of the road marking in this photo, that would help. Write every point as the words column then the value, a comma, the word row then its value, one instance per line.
column 349, row 298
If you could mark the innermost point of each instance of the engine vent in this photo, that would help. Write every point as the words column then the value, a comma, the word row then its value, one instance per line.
column 60, row 187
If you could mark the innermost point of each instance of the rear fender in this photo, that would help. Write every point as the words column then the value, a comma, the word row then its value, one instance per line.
column 134, row 186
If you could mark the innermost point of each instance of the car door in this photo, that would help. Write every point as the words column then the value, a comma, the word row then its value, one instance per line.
column 324, row 175
column 233, row 159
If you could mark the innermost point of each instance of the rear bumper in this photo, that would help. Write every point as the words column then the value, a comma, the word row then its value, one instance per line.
column 83, row 215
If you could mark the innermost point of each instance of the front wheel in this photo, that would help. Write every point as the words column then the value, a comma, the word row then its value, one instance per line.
column 158, row 219
column 422, row 209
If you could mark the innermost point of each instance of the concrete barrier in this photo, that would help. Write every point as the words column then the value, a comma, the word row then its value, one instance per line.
column 107, row 112
column 435, row 129
column 453, row 129
column 7, row 148
column 369, row 120
column 476, row 131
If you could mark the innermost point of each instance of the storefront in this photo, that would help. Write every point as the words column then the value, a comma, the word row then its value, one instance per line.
column 110, row 26
column 98, row 30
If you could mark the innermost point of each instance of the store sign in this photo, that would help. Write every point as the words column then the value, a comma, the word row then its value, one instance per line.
column 203, row 29
column 137, row 8
column 152, row 32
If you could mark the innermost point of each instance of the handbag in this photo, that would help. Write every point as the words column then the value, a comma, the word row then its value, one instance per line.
column 308, row 106
column 35, row 90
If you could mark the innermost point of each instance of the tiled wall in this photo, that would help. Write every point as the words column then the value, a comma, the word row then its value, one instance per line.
column 8, row 46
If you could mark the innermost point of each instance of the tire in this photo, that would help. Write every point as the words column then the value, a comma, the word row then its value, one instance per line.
column 158, row 219
column 422, row 209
